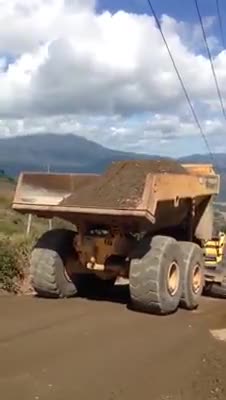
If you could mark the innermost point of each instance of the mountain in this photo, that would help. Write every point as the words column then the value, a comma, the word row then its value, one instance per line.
column 70, row 153
column 219, row 164
column 219, row 160
column 66, row 153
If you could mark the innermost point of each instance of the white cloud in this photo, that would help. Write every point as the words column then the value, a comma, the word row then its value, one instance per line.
column 146, row 136
column 78, row 71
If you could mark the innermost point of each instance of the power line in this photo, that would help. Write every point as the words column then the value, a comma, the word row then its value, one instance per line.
column 210, row 59
column 220, row 23
column 181, row 81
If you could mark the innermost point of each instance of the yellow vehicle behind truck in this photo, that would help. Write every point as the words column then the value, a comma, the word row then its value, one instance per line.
column 148, row 221
column 215, row 265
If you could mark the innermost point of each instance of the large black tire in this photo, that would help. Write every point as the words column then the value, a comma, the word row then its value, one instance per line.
column 217, row 290
column 48, row 259
column 193, row 275
column 149, row 277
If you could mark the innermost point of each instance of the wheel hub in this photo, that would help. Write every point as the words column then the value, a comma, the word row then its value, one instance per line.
column 173, row 278
column 196, row 279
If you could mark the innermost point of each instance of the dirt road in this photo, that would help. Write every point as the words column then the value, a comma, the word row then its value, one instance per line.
column 86, row 349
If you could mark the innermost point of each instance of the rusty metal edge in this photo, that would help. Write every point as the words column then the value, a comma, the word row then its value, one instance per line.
column 79, row 210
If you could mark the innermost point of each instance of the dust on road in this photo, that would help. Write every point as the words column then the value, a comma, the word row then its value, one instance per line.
column 86, row 349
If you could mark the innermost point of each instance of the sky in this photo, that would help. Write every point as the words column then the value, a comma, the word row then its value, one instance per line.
column 100, row 69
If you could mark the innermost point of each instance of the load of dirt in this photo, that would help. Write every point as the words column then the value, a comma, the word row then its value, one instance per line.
column 122, row 185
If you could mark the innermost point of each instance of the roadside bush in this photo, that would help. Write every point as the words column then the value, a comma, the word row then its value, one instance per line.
column 8, row 267
column 14, row 261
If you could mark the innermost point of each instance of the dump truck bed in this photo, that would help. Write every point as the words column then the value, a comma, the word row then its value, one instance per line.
column 129, row 189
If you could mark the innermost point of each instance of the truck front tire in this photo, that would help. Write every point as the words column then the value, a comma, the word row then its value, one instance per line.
column 156, row 279
column 217, row 289
column 48, row 264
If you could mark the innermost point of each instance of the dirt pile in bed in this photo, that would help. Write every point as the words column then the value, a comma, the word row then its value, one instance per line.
column 122, row 185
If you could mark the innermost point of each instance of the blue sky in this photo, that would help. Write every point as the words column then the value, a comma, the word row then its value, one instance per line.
column 181, row 10
column 115, row 85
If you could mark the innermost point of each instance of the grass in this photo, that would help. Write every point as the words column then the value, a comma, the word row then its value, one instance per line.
column 15, row 245
column 14, row 261
column 12, row 222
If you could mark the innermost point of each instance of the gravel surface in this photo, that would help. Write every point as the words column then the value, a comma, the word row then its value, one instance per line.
column 122, row 185
column 99, row 349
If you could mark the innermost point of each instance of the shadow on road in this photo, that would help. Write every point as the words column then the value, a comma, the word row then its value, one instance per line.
column 117, row 294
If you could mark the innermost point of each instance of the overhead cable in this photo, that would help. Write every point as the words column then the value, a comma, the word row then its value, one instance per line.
column 210, row 59
column 181, row 82
column 220, row 23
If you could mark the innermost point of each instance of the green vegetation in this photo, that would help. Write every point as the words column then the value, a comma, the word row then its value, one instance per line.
column 14, row 261
column 15, row 244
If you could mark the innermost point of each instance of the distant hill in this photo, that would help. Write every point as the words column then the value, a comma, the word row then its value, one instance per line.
column 71, row 153
column 62, row 152
column 220, row 160
column 220, row 168
column 6, row 182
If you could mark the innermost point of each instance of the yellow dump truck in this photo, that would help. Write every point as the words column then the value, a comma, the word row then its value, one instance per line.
column 150, row 222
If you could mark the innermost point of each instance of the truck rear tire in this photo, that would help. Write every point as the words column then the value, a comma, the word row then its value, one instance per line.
column 48, row 259
column 193, row 275
column 217, row 290
column 156, row 279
